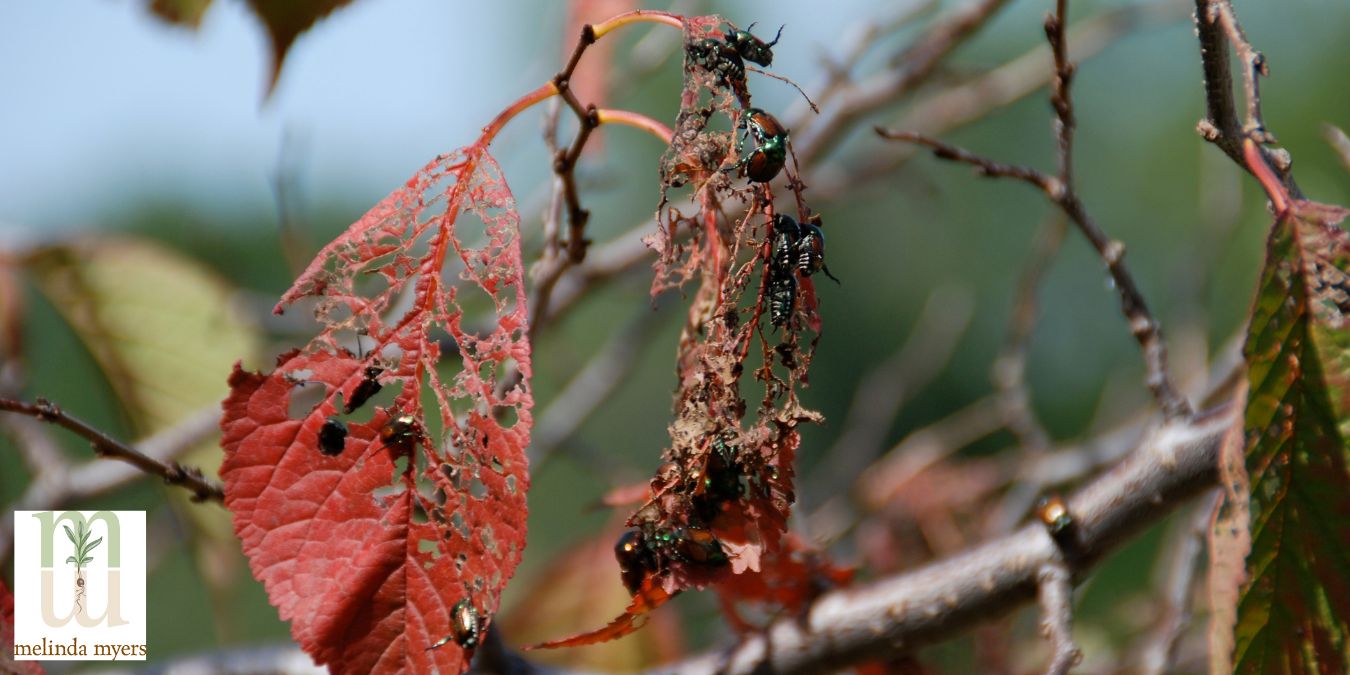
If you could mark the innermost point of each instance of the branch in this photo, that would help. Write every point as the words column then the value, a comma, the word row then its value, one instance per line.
column 106, row 446
column 1216, row 27
column 1055, row 593
column 901, row 613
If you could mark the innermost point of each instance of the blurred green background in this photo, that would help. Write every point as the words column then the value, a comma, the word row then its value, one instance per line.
column 117, row 124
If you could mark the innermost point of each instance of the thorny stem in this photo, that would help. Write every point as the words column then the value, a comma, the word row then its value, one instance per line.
column 1142, row 324
column 173, row 473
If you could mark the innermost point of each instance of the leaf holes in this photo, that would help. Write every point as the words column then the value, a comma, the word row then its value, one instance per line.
column 506, row 416
column 478, row 489
column 511, row 485
column 305, row 397
column 458, row 524
column 489, row 539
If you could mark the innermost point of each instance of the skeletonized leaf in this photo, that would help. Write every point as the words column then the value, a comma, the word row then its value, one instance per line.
column 366, row 548
column 1294, row 607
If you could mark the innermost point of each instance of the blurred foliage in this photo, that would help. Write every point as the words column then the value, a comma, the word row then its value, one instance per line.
column 1194, row 228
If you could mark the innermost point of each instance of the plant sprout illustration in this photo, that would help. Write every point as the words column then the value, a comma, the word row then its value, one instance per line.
column 83, row 547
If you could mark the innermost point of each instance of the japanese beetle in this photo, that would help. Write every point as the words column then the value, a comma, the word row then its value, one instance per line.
column 694, row 545
column 401, row 433
column 782, row 295
column 717, row 57
column 786, row 234
column 749, row 47
column 720, row 482
column 369, row 386
column 635, row 559
column 1054, row 514
column 770, row 153
column 332, row 437
column 811, row 251
column 466, row 626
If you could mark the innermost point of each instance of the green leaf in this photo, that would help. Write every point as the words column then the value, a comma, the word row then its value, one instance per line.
column 71, row 559
column 86, row 561
column 1293, row 610
column 160, row 326
column 70, row 535
column 93, row 546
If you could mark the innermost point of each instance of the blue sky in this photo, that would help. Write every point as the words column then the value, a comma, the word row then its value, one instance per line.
column 102, row 102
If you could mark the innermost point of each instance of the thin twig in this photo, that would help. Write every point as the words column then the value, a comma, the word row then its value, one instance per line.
column 106, row 446
column 1060, row 190
column 1055, row 594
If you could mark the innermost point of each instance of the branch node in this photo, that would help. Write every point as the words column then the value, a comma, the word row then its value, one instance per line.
column 47, row 411
column 1207, row 130
column 1114, row 252
column 1056, row 189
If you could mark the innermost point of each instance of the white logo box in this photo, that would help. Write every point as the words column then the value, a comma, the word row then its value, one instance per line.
column 51, row 620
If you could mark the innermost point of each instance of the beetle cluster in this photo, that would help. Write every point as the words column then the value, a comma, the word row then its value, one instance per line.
column 798, row 249
column 725, row 57
column 653, row 548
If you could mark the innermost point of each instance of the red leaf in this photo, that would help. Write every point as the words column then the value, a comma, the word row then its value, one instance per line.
column 348, row 543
